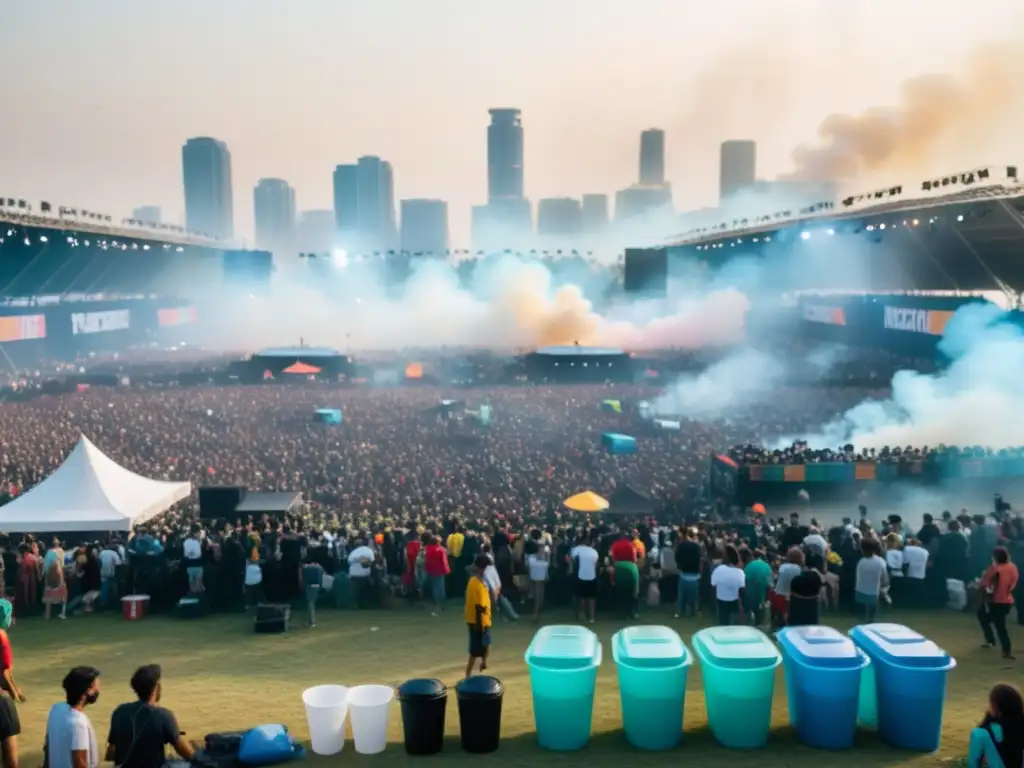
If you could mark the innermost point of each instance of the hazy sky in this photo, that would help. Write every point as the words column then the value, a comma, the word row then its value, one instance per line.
column 99, row 96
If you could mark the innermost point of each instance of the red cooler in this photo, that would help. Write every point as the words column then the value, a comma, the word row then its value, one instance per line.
column 135, row 607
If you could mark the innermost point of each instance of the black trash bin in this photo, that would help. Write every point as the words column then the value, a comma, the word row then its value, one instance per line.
column 480, row 713
column 423, row 708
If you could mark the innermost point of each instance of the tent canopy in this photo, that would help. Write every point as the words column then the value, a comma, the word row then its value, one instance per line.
column 302, row 369
column 627, row 500
column 90, row 492
column 588, row 501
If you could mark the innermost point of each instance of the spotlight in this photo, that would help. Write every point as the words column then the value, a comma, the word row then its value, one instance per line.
column 43, row 239
column 805, row 235
column 768, row 238
column 27, row 241
column 870, row 227
column 831, row 231
column 881, row 226
column 915, row 222
column 960, row 217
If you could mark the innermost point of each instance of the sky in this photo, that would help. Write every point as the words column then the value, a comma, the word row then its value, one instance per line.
column 98, row 97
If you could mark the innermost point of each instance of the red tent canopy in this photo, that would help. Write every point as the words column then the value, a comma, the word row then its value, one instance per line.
column 303, row 369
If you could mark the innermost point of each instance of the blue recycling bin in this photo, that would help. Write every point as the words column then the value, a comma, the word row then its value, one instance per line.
column 652, row 663
column 738, row 665
column 563, row 661
column 910, row 684
column 823, row 675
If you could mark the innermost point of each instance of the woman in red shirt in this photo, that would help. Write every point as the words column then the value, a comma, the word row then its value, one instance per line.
column 435, row 565
column 997, row 585
column 412, row 553
column 6, row 654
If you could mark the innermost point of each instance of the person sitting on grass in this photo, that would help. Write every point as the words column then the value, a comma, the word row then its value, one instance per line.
column 140, row 730
column 998, row 741
column 478, row 615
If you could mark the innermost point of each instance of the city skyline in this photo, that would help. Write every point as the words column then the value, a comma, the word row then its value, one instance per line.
column 733, row 70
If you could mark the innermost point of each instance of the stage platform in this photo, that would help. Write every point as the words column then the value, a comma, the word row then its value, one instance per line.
column 577, row 364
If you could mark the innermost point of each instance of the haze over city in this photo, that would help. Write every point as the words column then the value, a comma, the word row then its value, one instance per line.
column 100, row 104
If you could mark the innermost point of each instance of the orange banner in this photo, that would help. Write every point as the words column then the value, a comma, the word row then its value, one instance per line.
column 22, row 328
column 794, row 473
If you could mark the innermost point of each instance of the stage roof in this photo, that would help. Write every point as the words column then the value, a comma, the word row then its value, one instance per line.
column 579, row 351
column 298, row 352
column 280, row 501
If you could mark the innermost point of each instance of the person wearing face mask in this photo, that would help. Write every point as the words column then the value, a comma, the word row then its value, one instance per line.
column 140, row 730
column 70, row 738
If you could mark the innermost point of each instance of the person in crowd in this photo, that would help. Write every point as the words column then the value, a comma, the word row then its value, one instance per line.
column 915, row 560
column 10, row 729
column 29, row 575
column 7, row 652
column 110, row 560
column 805, row 592
column 997, row 586
column 492, row 579
column 360, row 570
column 70, row 739
column 436, row 567
column 729, row 584
column 758, row 576
column 478, row 616
column 690, row 563
column 192, row 553
column 584, row 560
column 815, row 542
column 929, row 531
column 872, row 578
column 141, row 730
column 894, row 562
column 253, row 581
column 788, row 571
column 625, row 575
column 998, row 741
column 411, row 552
column 538, row 563
column 55, row 588
column 312, row 580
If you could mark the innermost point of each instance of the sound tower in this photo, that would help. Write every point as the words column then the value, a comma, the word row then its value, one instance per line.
column 219, row 501
column 646, row 272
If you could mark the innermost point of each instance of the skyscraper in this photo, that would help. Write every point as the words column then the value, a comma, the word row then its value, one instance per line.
column 375, row 211
column 737, row 167
column 346, row 202
column 595, row 213
column 147, row 213
column 425, row 227
column 652, row 157
column 505, row 154
column 274, row 208
column 206, row 168
column 559, row 217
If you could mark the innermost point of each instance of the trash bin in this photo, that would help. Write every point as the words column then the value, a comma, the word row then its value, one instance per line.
column 563, row 662
column 135, row 607
column 823, row 674
column 738, row 665
column 479, row 700
column 368, row 707
column 652, row 663
column 910, row 684
column 326, row 709
column 424, row 703
column 867, row 706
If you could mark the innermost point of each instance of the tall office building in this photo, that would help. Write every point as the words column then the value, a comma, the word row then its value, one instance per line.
column 206, row 168
column 639, row 200
column 148, row 213
column 315, row 232
column 652, row 157
column 559, row 217
column 595, row 213
column 274, row 208
column 737, row 167
column 375, row 209
column 505, row 154
column 346, row 202
column 424, row 227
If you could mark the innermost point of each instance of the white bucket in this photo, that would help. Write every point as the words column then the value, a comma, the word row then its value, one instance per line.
column 369, row 705
column 326, row 708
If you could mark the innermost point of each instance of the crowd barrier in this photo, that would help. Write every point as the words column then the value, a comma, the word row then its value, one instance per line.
column 880, row 676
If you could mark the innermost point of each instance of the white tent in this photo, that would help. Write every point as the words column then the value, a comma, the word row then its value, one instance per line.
column 90, row 492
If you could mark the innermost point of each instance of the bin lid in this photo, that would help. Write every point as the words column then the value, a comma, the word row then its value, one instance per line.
column 564, row 646
column 651, row 647
column 422, row 688
column 900, row 645
column 739, row 647
column 479, row 687
column 818, row 646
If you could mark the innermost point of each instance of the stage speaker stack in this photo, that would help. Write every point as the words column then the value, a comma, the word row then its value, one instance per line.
column 191, row 607
column 646, row 272
column 272, row 618
column 219, row 501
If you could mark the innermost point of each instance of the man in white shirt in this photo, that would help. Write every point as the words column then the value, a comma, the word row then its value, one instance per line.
column 584, row 560
column 915, row 558
column 537, row 565
column 360, row 568
column 729, row 581
column 70, row 738
column 816, row 543
column 192, row 552
column 492, row 581
column 109, row 560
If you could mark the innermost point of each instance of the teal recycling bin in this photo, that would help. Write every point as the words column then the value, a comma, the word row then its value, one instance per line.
column 823, row 676
column 652, row 663
column 738, row 664
column 563, row 662
column 910, row 684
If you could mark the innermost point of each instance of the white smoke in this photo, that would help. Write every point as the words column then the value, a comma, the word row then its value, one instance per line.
column 744, row 378
column 977, row 400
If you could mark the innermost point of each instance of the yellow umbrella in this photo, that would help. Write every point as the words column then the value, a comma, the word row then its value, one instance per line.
column 588, row 501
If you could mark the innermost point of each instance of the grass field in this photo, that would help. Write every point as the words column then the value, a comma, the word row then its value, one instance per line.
column 218, row 675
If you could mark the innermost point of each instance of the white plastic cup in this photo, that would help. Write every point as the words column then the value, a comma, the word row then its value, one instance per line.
column 369, row 706
column 326, row 709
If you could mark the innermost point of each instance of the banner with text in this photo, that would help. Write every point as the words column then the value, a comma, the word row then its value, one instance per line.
column 171, row 316
column 100, row 322
column 829, row 315
column 930, row 321
column 22, row 328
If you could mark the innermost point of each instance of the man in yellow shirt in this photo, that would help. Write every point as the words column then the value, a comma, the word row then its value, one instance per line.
column 478, row 615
